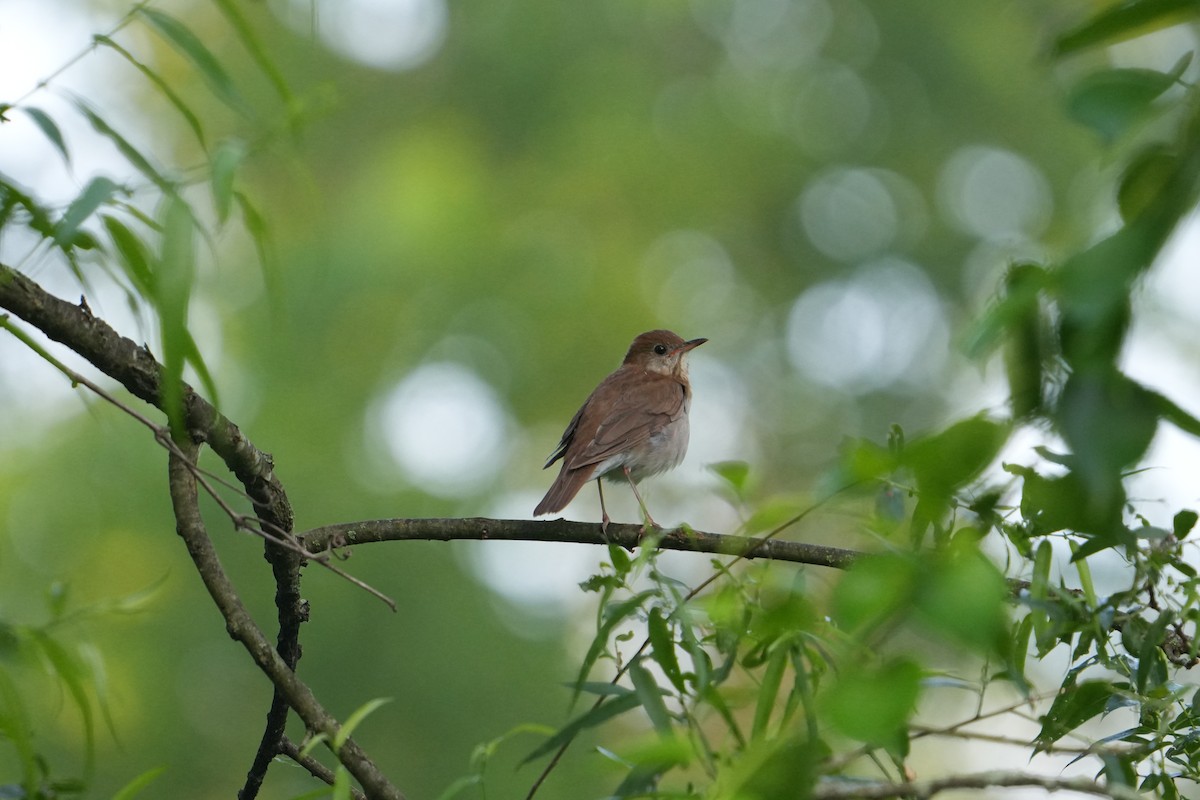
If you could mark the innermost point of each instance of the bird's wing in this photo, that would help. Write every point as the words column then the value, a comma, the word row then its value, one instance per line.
column 638, row 404
column 567, row 437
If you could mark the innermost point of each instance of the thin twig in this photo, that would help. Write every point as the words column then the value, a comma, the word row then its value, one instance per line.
column 243, row 629
column 751, row 549
column 315, row 768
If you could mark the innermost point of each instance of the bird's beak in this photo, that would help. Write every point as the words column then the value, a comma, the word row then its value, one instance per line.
column 692, row 345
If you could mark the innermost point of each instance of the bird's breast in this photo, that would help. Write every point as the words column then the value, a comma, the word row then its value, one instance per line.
column 661, row 451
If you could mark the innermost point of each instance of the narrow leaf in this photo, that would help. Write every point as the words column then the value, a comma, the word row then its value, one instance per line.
column 182, row 38
column 768, row 690
column 225, row 160
column 734, row 473
column 662, row 647
column 49, row 128
column 173, row 288
column 73, row 676
column 256, row 226
column 341, row 783
column 650, row 696
column 134, row 256
column 589, row 719
column 1073, row 706
column 192, row 357
column 173, row 98
column 613, row 616
column 1125, row 21
column 135, row 786
column 131, row 153
column 1112, row 101
column 357, row 717
column 94, row 195
column 254, row 47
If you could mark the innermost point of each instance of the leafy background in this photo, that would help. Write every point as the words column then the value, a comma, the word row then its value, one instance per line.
column 465, row 235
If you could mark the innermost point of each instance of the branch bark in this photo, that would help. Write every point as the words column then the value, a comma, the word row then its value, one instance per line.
column 242, row 628
column 138, row 371
column 859, row 790
column 560, row 530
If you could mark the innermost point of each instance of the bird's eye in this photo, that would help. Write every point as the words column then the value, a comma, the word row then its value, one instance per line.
column 661, row 349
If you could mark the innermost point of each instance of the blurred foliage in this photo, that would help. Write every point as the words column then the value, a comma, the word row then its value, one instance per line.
column 824, row 190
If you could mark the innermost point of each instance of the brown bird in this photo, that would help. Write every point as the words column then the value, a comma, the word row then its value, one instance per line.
column 635, row 424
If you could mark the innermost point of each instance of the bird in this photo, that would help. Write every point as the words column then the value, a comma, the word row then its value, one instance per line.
column 633, row 425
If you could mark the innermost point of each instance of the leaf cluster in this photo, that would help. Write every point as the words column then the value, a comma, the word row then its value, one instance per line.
column 760, row 689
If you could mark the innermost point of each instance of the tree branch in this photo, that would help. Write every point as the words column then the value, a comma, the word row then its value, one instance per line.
column 560, row 530
column 859, row 790
column 138, row 371
column 242, row 628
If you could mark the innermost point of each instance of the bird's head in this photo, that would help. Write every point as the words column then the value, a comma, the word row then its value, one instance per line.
column 661, row 351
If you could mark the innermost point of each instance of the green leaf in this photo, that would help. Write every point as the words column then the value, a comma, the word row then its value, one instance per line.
column 94, row 195
column 173, row 287
column 589, row 719
column 1152, row 662
column 1085, row 577
column 131, row 153
column 621, row 563
column 173, row 98
column 1143, row 180
column 598, row 688
column 254, row 47
column 875, row 589
column 873, row 704
column 135, row 786
column 459, row 785
column 1053, row 504
column 662, row 648
column 49, row 128
column 1183, row 523
column 1108, row 420
column 256, row 226
column 651, row 698
column 225, row 160
column 1123, row 21
column 1112, row 101
column 1074, row 705
column 961, row 596
column 192, row 354
column 341, row 784
column 735, row 474
column 133, row 253
column 15, row 728
column 187, row 43
column 768, row 689
column 946, row 461
column 311, row 744
column 1027, row 344
column 75, row 678
column 613, row 616
column 863, row 460
column 1171, row 412
column 353, row 721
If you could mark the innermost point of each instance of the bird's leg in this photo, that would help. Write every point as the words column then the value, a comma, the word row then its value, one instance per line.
column 604, row 520
column 642, row 503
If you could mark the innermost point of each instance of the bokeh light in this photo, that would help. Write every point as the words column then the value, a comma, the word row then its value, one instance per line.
column 384, row 34
column 881, row 327
column 444, row 429
column 994, row 193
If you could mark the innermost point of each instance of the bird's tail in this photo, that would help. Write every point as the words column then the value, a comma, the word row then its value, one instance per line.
column 565, row 487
